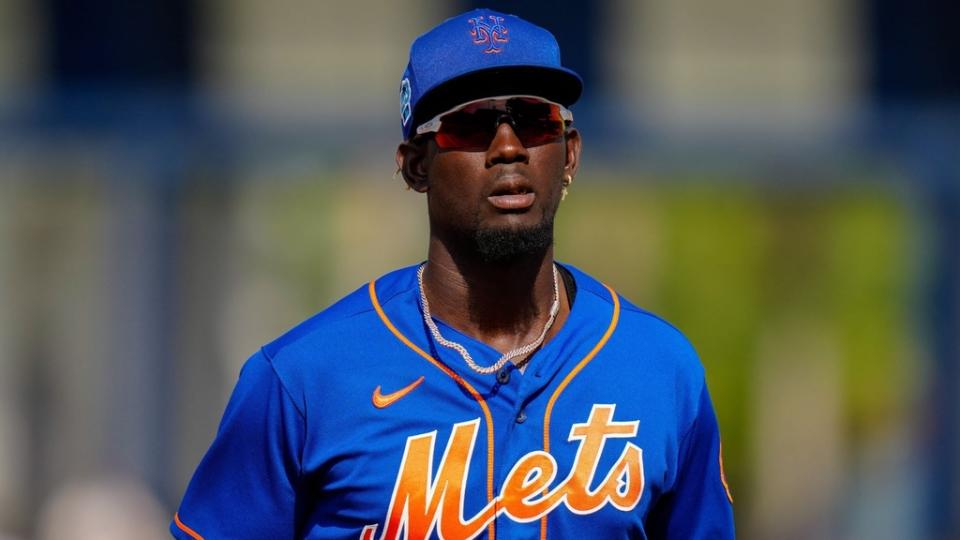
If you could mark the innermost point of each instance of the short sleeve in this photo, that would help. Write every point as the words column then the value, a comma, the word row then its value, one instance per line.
column 245, row 486
column 699, row 506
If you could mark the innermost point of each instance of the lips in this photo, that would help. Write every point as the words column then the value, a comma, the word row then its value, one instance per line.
column 512, row 195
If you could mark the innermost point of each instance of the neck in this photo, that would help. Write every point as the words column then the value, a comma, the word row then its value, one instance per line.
column 504, row 304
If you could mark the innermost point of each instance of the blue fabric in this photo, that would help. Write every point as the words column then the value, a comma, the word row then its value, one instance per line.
column 302, row 451
column 471, row 42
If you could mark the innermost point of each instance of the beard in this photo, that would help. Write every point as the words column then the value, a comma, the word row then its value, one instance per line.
column 470, row 239
column 501, row 245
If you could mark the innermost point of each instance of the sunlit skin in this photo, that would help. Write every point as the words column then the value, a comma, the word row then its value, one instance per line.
column 504, row 304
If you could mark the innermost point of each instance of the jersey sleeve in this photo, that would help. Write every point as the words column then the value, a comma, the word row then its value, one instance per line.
column 245, row 486
column 699, row 507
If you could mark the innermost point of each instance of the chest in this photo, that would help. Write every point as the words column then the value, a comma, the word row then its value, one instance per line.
column 423, row 453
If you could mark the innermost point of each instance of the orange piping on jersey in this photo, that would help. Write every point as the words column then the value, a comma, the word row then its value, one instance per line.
column 566, row 381
column 193, row 534
column 723, row 475
column 453, row 375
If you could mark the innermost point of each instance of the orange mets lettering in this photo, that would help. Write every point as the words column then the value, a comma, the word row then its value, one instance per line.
column 422, row 501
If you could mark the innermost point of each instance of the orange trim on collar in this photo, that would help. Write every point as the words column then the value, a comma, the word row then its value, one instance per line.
column 459, row 380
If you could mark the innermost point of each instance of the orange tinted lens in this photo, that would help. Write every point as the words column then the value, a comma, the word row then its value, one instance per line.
column 468, row 129
column 535, row 122
column 473, row 128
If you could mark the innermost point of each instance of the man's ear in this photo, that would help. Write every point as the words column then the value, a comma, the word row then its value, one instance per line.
column 413, row 162
column 574, row 145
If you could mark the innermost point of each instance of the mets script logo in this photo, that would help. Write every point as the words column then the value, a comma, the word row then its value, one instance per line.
column 489, row 33
column 422, row 502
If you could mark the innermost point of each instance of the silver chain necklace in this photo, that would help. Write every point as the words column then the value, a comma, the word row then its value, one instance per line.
column 509, row 355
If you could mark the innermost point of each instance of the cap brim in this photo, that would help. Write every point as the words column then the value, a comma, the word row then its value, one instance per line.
column 556, row 84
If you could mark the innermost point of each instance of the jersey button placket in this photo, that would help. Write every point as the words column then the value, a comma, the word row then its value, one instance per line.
column 521, row 416
column 503, row 376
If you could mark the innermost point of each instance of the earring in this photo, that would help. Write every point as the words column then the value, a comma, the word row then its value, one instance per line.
column 567, row 180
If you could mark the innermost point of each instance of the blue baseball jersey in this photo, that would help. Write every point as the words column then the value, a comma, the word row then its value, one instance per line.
column 357, row 425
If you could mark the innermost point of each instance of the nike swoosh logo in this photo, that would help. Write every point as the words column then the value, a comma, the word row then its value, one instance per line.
column 382, row 401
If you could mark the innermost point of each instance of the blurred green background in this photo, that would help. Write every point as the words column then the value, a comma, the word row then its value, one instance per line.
column 182, row 181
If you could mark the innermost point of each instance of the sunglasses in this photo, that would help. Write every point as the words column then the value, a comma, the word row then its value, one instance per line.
column 473, row 125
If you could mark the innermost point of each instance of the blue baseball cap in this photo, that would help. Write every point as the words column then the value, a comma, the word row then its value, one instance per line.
column 477, row 54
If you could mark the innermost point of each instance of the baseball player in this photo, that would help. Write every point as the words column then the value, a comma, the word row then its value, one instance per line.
column 489, row 392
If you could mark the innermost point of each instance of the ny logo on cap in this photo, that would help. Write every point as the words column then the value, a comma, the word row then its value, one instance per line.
column 489, row 33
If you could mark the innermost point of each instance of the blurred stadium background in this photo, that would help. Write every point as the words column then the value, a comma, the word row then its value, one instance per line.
column 182, row 180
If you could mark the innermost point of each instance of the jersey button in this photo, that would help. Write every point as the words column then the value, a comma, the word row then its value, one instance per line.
column 503, row 376
column 521, row 417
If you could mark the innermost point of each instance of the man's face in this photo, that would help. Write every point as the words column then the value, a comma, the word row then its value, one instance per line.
column 500, row 201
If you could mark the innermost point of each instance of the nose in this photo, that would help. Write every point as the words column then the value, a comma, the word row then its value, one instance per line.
column 506, row 147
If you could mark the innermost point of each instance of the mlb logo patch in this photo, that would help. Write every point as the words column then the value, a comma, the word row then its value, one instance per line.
column 405, row 95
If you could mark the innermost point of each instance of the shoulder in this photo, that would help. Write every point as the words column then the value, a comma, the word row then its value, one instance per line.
column 655, row 352
column 338, row 332
column 648, row 335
